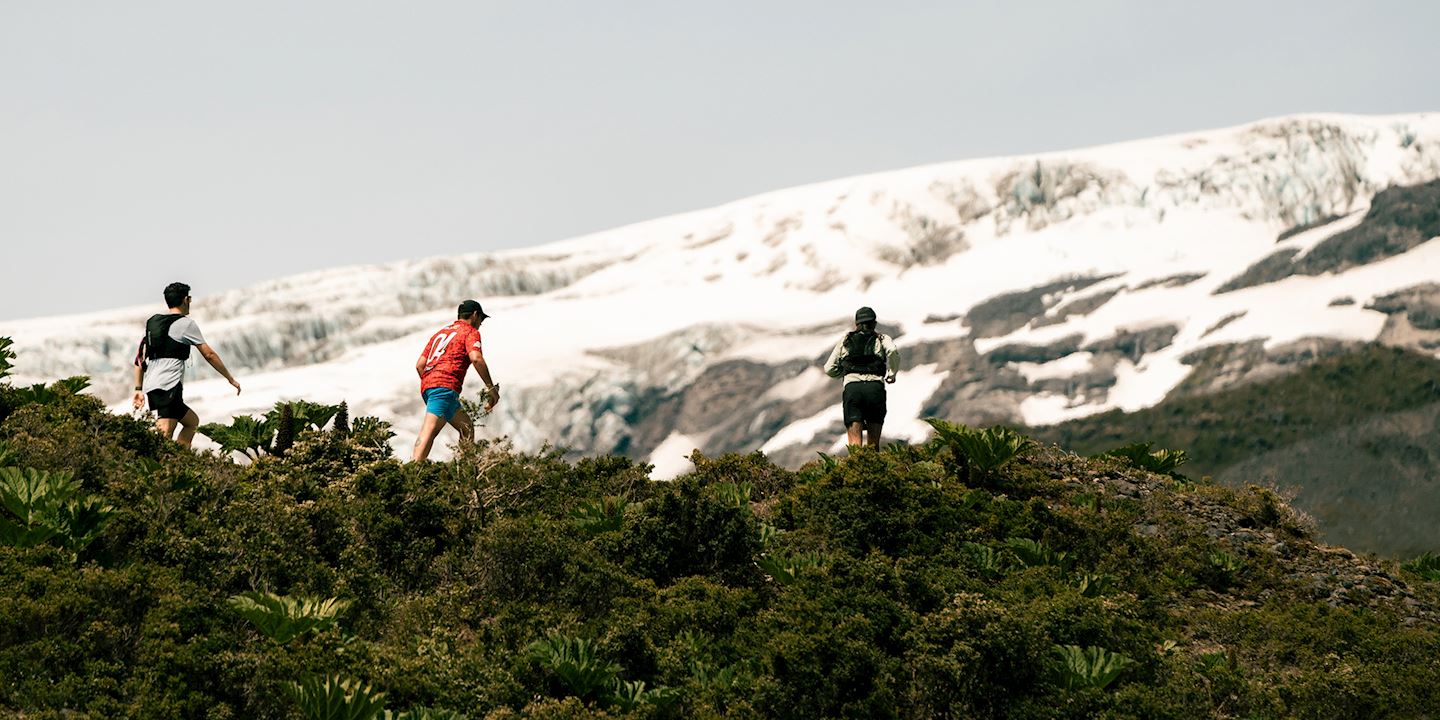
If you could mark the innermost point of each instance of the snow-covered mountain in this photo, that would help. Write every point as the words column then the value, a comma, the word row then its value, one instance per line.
column 1021, row 289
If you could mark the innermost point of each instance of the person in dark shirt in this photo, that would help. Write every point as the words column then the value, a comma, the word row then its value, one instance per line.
column 868, row 360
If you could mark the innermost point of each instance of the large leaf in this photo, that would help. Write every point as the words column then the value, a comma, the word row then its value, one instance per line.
column 244, row 434
column 603, row 515
column 1035, row 554
column 988, row 450
column 1139, row 455
column 423, row 713
column 1426, row 566
column 629, row 695
column 308, row 415
column 784, row 568
column 335, row 698
column 282, row 618
column 31, row 502
column 6, row 355
column 82, row 521
column 1090, row 666
column 575, row 661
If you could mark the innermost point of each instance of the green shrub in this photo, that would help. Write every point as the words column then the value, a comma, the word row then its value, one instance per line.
column 632, row 694
column 764, row 479
column 1034, row 554
column 332, row 697
column 342, row 418
column 422, row 713
column 1140, row 456
column 687, row 531
column 37, row 506
column 1090, row 666
column 6, row 355
column 275, row 433
column 784, row 568
column 244, row 434
column 1095, row 585
column 372, row 432
column 875, row 501
column 875, row 587
column 736, row 494
column 282, row 618
column 984, row 559
column 575, row 662
column 603, row 515
column 1225, row 567
column 284, row 425
column 1426, row 566
column 980, row 453
column 42, row 394
column 305, row 414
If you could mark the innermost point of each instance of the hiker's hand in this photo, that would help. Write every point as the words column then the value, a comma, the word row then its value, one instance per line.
column 139, row 400
column 494, row 397
column 235, row 385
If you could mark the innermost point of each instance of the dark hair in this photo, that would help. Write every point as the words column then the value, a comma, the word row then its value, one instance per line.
column 175, row 294
column 468, row 308
column 867, row 326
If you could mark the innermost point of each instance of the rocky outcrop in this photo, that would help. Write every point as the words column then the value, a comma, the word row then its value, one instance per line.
column 1264, row 531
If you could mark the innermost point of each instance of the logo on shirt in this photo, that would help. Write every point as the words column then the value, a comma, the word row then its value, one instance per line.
column 441, row 342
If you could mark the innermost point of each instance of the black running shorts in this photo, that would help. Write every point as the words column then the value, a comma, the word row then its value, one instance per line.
column 864, row 402
column 169, row 404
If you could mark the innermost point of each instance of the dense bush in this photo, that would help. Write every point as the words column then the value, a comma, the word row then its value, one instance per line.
column 505, row 584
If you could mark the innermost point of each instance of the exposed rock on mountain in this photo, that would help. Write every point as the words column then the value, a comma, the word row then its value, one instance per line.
column 1027, row 289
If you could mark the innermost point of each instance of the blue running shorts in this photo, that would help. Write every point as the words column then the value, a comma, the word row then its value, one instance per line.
column 441, row 402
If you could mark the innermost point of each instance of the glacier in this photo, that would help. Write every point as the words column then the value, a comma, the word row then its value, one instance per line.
column 1098, row 274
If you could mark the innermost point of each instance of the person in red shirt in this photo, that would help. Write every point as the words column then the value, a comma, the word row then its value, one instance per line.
column 441, row 367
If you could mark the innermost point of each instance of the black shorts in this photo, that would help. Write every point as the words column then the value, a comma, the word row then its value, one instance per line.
column 864, row 402
column 169, row 404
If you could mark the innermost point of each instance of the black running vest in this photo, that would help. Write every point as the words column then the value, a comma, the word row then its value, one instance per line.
column 158, row 343
column 863, row 354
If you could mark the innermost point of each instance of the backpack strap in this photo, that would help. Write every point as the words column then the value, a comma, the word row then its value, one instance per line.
column 158, row 343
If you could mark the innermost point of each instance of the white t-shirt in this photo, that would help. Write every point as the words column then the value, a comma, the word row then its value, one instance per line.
column 166, row 373
column 887, row 348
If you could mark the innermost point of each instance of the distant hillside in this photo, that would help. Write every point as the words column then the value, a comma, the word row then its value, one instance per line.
column 1354, row 436
column 1027, row 289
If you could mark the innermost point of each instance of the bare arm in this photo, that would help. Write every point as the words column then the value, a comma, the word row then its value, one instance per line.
column 213, row 358
column 483, row 370
column 139, row 400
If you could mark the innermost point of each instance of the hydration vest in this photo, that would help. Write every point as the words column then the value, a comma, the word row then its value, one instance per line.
column 862, row 354
column 158, row 343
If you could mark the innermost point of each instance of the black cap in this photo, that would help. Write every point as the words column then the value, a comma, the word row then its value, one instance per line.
column 864, row 314
column 470, row 306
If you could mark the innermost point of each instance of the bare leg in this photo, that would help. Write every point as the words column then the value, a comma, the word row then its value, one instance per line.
column 429, row 428
column 166, row 426
column 465, row 426
column 187, row 428
column 872, row 434
column 852, row 433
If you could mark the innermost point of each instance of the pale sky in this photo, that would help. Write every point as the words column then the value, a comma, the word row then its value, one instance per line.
column 226, row 143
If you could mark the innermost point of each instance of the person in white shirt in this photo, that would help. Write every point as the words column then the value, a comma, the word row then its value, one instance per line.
column 160, row 365
column 868, row 360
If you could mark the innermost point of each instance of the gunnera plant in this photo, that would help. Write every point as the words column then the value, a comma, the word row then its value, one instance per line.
column 282, row 618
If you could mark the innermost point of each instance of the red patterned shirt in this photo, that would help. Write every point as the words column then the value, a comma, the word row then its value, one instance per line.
column 447, row 356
